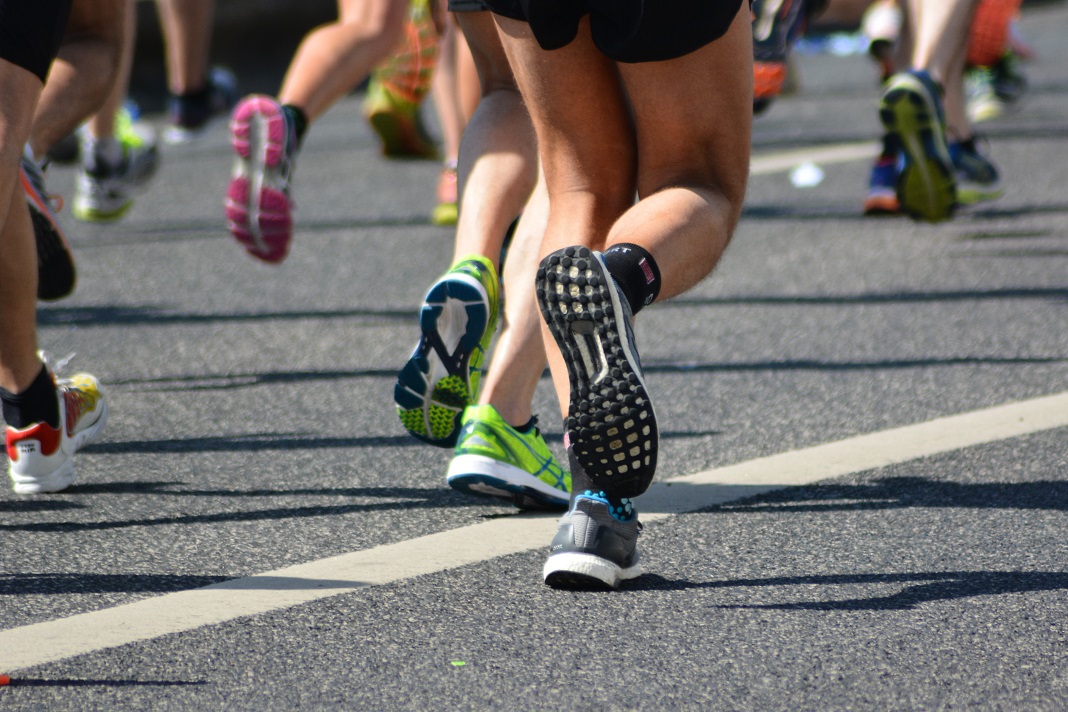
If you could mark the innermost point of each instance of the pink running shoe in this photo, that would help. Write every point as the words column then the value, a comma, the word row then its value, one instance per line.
column 259, row 209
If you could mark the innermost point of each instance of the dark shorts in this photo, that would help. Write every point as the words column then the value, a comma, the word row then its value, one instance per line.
column 625, row 30
column 30, row 32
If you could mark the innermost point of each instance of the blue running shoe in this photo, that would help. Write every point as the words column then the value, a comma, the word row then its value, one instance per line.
column 443, row 374
column 493, row 459
column 596, row 544
column 977, row 176
column 911, row 112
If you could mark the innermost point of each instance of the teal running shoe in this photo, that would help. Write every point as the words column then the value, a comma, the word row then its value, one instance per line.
column 444, row 372
column 911, row 112
column 493, row 459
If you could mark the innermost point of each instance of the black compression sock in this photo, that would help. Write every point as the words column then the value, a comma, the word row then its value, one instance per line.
column 36, row 404
column 636, row 273
column 296, row 116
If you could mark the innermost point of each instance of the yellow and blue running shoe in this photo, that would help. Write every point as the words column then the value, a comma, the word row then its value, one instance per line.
column 911, row 112
column 444, row 372
column 493, row 459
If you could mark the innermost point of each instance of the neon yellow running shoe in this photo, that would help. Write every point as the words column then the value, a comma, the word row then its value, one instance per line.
column 493, row 459
column 444, row 372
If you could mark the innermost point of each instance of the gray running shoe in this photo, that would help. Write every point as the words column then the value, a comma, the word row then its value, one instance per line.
column 596, row 544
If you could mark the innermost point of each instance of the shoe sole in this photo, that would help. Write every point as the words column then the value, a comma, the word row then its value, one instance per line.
column 485, row 477
column 62, row 477
column 575, row 571
column 56, row 273
column 258, row 211
column 610, row 426
column 433, row 387
column 926, row 186
column 87, row 213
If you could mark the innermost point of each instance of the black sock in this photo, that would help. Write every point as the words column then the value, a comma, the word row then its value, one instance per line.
column 36, row 404
column 296, row 116
column 528, row 426
column 635, row 272
column 199, row 98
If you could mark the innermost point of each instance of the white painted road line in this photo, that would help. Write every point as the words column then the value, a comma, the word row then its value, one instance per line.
column 833, row 153
column 49, row 641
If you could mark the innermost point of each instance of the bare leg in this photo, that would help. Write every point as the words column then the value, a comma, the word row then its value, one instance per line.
column 693, row 150
column 939, row 31
column 83, row 73
column 446, row 91
column 19, row 364
column 334, row 58
column 102, row 123
column 519, row 357
column 497, row 162
column 187, row 27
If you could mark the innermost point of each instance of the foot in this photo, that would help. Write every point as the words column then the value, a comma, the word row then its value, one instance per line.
column 596, row 544
column 104, row 191
column 192, row 116
column 446, row 211
column 443, row 374
column 398, row 124
column 493, row 459
column 977, row 176
column 610, row 426
column 911, row 112
column 259, row 209
column 882, row 188
column 41, row 458
column 56, row 274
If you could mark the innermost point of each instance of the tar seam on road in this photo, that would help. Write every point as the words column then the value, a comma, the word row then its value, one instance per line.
column 54, row 640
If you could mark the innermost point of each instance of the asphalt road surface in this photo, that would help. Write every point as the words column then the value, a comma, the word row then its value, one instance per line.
column 862, row 500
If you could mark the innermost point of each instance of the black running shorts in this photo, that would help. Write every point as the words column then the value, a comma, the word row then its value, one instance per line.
column 30, row 32
column 625, row 30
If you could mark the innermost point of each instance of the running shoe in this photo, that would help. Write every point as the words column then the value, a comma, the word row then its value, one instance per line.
column 493, row 459
column 446, row 211
column 191, row 116
column 56, row 274
column 444, row 372
column 977, row 176
column 596, row 544
column 981, row 98
column 104, row 192
column 776, row 25
column 911, row 113
column 1010, row 82
column 41, row 458
column 610, row 429
column 399, row 84
column 882, row 188
column 398, row 123
column 259, row 209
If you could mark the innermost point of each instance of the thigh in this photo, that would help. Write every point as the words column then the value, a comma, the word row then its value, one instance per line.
column 693, row 114
column 580, row 113
column 102, row 19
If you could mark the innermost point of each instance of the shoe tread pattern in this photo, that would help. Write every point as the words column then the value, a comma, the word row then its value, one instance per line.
column 610, row 424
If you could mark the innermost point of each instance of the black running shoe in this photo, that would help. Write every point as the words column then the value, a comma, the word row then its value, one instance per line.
column 56, row 274
column 610, row 426
column 596, row 545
